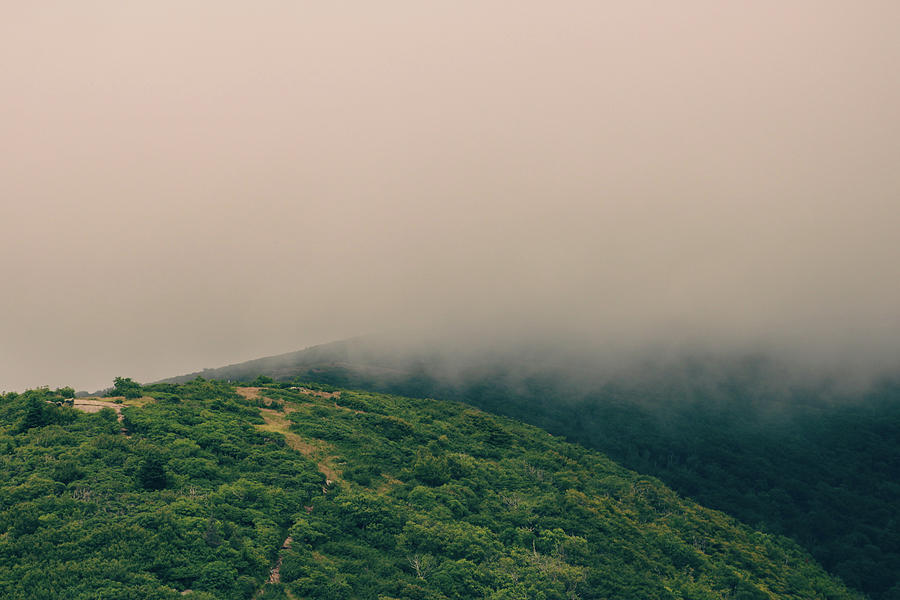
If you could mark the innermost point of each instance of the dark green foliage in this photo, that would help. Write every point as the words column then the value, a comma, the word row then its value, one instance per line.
column 65, row 392
column 67, row 471
column 82, row 515
column 41, row 407
column 152, row 473
column 35, row 414
column 212, row 536
column 433, row 500
column 475, row 506
column 805, row 460
column 124, row 386
column 363, row 475
column 431, row 470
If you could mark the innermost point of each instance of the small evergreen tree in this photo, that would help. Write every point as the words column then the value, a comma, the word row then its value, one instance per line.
column 34, row 414
column 152, row 474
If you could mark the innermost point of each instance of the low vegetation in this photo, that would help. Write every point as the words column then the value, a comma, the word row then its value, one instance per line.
column 805, row 458
column 350, row 495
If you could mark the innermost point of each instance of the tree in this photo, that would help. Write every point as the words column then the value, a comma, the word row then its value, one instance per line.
column 125, row 386
column 431, row 470
column 152, row 474
column 34, row 414
column 421, row 564
column 66, row 392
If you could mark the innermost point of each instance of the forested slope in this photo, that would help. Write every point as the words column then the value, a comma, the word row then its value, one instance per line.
column 806, row 458
column 350, row 495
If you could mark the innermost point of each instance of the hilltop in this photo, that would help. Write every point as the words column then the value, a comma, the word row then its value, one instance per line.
column 306, row 491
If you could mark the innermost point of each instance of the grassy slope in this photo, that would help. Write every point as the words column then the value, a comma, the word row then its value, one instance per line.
column 428, row 499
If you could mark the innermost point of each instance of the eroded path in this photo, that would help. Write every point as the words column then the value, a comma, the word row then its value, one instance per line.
column 275, row 575
column 315, row 450
column 276, row 420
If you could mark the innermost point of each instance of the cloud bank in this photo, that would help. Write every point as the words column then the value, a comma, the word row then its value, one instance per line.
column 188, row 186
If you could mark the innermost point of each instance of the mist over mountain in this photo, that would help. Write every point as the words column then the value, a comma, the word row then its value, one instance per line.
column 268, row 179
column 584, row 364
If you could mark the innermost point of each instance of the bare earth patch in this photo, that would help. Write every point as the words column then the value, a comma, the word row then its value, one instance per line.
column 250, row 393
column 95, row 405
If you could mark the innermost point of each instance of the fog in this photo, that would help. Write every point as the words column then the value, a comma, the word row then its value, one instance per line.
column 186, row 185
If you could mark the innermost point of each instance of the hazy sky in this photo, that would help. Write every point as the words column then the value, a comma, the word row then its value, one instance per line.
column 188, row 184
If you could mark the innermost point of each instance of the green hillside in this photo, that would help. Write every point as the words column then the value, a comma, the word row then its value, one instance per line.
column 801, row 457
column 217, row 490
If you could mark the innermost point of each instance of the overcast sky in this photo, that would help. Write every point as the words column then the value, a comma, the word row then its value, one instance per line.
column 189, row 184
